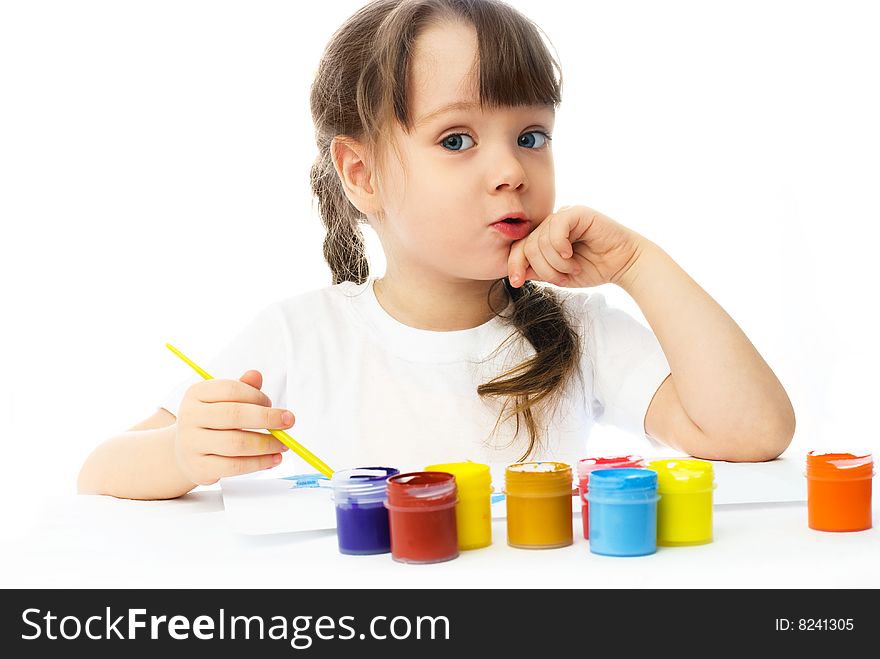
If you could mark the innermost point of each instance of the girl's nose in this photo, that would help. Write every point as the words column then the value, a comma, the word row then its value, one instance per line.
column 509, row 172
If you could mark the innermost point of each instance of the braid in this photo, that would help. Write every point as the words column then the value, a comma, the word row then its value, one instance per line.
column 344, row 248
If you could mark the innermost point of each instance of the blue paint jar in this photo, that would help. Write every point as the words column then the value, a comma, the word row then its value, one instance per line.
column 623, row 511
column 361, row 516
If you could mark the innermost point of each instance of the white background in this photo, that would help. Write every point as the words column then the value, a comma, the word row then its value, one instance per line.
column 154, row 163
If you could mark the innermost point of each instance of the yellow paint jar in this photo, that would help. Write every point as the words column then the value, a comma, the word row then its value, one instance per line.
column 684, row 512
column 538, row 505
column 473, row 512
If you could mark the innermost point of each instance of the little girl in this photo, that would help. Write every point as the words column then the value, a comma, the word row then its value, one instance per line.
column 433, row 121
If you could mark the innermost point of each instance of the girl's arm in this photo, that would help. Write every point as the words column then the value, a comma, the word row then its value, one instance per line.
column 137, row 464
column 722, row 400
column 211, row 437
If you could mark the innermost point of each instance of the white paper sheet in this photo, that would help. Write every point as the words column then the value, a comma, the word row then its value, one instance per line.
column 776, row 481
column 258, row 506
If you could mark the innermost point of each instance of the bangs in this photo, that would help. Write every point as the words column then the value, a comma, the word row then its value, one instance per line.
column 515, row 66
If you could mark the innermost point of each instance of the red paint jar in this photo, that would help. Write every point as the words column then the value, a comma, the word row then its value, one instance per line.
column 421, row 516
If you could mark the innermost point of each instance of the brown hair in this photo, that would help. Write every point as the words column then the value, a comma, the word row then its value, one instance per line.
column 357, row 91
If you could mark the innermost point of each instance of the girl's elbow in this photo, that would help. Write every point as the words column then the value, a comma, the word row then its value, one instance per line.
column 762, row 441
column 91, row 475
column 84, row 485
column 784, row 434
column 773, row 439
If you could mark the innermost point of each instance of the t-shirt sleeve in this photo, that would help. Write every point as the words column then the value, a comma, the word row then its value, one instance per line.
column 261, row 345
column 627, row 364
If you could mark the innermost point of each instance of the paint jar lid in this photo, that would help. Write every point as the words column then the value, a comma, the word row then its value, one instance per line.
column 585, row 466
column 361, row 485
column 683, row 475
column 537, row 479
column 839, row 466
column 421, row 491
column 623, row 485
column 471, row 478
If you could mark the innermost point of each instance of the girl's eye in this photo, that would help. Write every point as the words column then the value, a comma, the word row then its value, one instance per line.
column 525, row 141
column 453, row 141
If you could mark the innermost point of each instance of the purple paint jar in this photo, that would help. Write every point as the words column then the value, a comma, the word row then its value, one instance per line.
column 361, row 516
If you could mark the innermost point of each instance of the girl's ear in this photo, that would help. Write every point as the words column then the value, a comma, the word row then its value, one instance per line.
column 349, row 160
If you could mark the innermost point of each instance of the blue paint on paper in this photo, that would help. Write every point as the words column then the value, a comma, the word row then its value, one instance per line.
column 308, row 480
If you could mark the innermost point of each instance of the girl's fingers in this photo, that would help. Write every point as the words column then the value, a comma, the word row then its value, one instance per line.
column 236, row 416
column 517, row 264
column 216, row 391
column 537, row 261
column 220, row 466
column 547, row 251
column 233, row 443
column 560, row 231
column 556, row 249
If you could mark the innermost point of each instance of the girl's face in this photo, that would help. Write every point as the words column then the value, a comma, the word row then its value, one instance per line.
column 462, row 170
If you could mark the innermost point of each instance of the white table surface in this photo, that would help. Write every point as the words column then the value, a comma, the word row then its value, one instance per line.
column 102, row 542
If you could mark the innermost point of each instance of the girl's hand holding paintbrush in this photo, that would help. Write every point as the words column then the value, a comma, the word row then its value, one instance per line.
column 215, row 429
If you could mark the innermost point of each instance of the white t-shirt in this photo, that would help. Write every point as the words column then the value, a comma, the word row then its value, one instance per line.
column 368, row 390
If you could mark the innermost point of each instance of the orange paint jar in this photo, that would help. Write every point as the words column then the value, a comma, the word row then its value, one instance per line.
column 539, row 510
column 839, row 491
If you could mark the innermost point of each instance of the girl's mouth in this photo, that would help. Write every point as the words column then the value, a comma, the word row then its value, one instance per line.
column 513, row 228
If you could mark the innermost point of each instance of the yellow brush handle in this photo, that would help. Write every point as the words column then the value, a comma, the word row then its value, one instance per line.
column 302, row 452
column 282, row 436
